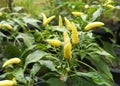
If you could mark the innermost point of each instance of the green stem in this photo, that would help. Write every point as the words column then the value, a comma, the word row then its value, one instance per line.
column 86, row 65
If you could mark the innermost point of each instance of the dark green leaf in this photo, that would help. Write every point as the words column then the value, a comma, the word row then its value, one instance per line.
column 56, row 82
column 109, row 49
column 12, row 51
column 108, row 30
column 78, row 81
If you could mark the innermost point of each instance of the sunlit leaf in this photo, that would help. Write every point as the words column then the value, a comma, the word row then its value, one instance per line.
column 36, row 67
column 96, row 77
column 117, row 7
column 27, row 37
column 34, row 57
column 48, row 64
column 101, row 66
column 18, row 8
column 96, row 14
column 31, row 21
column 1, row 34
column 61, row 29
column 19, row 75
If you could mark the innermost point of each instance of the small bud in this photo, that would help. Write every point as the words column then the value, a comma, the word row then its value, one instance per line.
column 86, row 6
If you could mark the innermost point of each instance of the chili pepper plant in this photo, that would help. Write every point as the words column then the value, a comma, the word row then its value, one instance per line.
column 53, row 50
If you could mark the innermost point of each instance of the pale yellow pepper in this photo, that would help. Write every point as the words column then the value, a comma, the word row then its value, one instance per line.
column 93, row 25
column 12, row 61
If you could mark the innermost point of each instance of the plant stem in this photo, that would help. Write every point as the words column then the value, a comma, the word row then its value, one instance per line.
column 86, row 65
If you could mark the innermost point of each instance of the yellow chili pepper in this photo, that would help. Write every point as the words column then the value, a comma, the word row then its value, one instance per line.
column 54, row 42
column 8, row 26
column 12, row 61
column 0, row 26
column 68, row 24
column 68, row 51
column 1, row 13
column 44, row 16
column 60, row 21
column 66, row 37
column 109, row 6
column 109, row 1
column 75, row 38
column 8, row 82
column 93, row 25
column 77, row 13
column 47, row 20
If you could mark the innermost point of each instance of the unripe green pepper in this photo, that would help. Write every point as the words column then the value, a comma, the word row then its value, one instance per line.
column 68, row 69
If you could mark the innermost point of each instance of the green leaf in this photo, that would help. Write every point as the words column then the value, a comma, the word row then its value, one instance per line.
column 48, row 64
column 28, row 49
column 55, row 82
column 19, row 75
column 2, row 76
column 2, row 35
column 108, row 30
column 104, row 53
column 17, row 9
column 9, row 51
column 118, row 7
column 28, row 38
column 79, row 81
column 96, row 77
column 36, row 67
column 50, row 57
column 107, row 47
column 31, row 21
column 84, row 17
column 96, row 14
column 101, row 66
column 20, row 23
column 57, row 28
column 34, row 57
